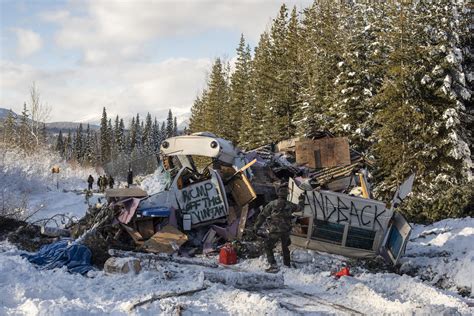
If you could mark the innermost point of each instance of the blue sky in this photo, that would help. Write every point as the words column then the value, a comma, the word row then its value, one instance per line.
column 130, row 56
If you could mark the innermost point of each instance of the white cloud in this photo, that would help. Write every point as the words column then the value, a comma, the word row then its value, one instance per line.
column 28, row 42
column 112, row 39
column 116, row 30
column 76, row 94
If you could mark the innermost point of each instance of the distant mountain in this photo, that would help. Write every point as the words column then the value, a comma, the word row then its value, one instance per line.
column 53, row 127
column 4, row 114
column 183, row 120
column 94, row 121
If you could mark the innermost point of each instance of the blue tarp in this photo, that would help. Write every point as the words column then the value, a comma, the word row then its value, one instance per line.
column 77, row 258
column 155, row 212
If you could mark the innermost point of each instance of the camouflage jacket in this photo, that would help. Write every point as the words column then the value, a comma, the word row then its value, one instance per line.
column 279, row 215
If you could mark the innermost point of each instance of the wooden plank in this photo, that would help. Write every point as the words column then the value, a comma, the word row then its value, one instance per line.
column 243, row 221
column 125, row 192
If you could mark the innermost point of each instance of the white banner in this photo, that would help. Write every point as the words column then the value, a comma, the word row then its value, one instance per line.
column 342, row 208
column 203, row 201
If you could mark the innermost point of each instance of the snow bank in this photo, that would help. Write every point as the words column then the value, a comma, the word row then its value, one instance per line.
column 26, row 182
column 23, row 173
column 443, row 253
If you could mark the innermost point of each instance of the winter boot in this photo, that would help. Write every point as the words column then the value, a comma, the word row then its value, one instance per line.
column 272, row 269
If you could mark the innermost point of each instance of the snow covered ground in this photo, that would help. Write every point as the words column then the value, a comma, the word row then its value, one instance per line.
column 438, row 264
column 309, row 288
column 26, row 183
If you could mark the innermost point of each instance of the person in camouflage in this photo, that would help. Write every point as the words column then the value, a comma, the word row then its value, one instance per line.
column 279, row 215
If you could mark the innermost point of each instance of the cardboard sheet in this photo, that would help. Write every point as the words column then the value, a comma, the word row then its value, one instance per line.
column 166, row 240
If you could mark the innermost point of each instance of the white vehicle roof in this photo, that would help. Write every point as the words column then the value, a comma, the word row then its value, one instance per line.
column 200, row 144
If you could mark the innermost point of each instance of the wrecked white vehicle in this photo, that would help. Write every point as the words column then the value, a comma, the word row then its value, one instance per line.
column 348, row 225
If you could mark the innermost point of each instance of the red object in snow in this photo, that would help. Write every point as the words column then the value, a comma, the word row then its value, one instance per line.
column 343, row 272
column 227, row 255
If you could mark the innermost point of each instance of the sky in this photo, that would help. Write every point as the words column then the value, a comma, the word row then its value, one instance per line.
column 127, row 55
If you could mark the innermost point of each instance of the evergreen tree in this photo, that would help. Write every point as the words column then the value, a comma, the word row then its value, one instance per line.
column 264, row 129
column 119, row 133
column 133, row 134
column 169, row 124
column 416, row 125
column 321, row 52
column 239, row 87
column 250, row 134
column 139, row 134
column 9, row 130
column 156, row 136
column 148, row 134
column 79, row 144
column 110, row 134
column 89, row 156
column 25, row 140
column 68, row 146
column 105, row 143
column 196, row 121
column 175, row 127
column 60, row 146
column 163, row 132
column 291, row 77
column 217, row 101
column 360, row 74
column 285, row 72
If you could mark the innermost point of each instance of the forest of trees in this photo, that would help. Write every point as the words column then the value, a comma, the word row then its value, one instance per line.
column 394, row 77
column 112, row 147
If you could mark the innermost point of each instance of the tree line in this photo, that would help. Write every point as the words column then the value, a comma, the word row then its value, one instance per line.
column 112, row 147
column 394, row 77
column 143, row 137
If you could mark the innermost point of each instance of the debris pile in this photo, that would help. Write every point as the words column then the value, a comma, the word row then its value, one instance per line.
column 210, row 191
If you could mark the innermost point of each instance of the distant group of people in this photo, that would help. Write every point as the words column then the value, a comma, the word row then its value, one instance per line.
column 102, row 182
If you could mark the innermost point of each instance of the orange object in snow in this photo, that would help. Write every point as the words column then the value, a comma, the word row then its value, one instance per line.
column 227, row 255
column 343, row 272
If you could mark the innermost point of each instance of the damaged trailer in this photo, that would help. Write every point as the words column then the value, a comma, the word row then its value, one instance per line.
column 349, row 225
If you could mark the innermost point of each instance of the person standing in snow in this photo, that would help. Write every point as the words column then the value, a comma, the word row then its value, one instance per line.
column 105, row 182
column 99, row 183
column 278, row 213
column 111, row 182
column 129, row 177
column 90, row 181
column 102, row 183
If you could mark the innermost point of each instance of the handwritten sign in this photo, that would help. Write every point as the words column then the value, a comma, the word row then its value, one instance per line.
column 203, row 201
column 342, row 208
